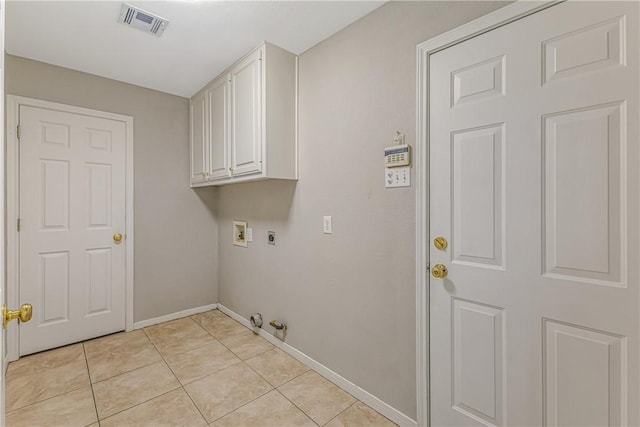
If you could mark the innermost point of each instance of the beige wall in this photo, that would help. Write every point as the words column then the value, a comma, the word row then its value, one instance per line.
column 349, row 297
column 175, row 227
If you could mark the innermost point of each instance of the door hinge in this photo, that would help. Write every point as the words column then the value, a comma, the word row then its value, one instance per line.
column 18, row 131
column 18, row 224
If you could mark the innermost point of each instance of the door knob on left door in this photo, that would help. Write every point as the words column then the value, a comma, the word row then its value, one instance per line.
column 24, row 314
column 117, row 237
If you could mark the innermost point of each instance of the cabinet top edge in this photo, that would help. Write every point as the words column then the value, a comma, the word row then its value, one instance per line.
column 263, row 45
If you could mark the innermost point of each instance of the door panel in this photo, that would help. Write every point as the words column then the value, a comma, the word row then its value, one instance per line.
column 583, row 200
column 72, row 203
column 199, row 143
column 534, row 160
column 218, row 99
column 583, row 365
column 478, row 364
column 246, row 92
column 478, row 187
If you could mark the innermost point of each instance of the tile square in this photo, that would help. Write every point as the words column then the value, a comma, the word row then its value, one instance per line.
column 360, row 415
column 38, row 362
column 115, row 354
column 219, row 324
column 277, row 367
column 178, row 336
column 131, row 388
column 200, row 362
column 171, row 409
column 317, row 397
column 44, row 375
column 75, row 408
column 270, row 410
column 223, row 392
column 247, row 344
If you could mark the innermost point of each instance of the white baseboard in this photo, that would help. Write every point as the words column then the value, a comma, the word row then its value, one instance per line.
column 172, row 316
column 357, row 392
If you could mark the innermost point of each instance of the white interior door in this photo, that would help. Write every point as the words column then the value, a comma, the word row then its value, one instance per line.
column 3, row 240
column 534, row 182
column 72, row 209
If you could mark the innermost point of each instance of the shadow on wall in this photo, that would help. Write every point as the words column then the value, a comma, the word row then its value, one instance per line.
column 268, row 200
column 209, row 198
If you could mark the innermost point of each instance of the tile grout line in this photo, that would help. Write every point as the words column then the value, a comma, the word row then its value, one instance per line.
column 44, row 400
column 241, row 361
column 138, row 404
column 182, row 386
column 53, row 367
column 243, row 405
column 340, row 413
column 93, row 394
column 274, row 387
column 194, row 348
column 293, row 403
column 140, row 367
column 123, row 372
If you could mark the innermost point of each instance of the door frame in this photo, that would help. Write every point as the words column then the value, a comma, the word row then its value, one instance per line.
column 486, row 23
column 12, row 205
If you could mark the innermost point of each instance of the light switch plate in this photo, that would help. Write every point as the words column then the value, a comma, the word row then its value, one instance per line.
column 397, row 177
column 327, row 225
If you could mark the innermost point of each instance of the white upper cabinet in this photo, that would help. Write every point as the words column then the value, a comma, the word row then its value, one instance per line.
column 250, row 121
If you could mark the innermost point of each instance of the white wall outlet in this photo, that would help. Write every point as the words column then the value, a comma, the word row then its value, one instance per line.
column 397, row 177
column 249, row 234
column 327, row 225
column 240, row 233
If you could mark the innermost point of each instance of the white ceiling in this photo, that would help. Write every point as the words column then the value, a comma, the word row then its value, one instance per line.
column 202, row 39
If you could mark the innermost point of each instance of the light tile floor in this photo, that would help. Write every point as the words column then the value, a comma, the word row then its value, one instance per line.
column 196, row 371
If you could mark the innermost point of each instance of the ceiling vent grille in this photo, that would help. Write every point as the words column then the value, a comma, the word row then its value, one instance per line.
column 142, row 20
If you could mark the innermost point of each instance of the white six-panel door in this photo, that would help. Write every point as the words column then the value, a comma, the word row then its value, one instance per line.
column 534, row 182
column 72, row 204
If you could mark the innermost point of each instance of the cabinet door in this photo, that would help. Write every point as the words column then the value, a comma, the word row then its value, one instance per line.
column 246, row 115
column 198, row 144
column 218, row 102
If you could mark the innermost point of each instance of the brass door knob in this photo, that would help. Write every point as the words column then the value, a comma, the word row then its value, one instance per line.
column 24, row 314
column 439, row 271
column 117, row 237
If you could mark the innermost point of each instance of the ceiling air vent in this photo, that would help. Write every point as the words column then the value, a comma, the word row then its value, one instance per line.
column 142, row 20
